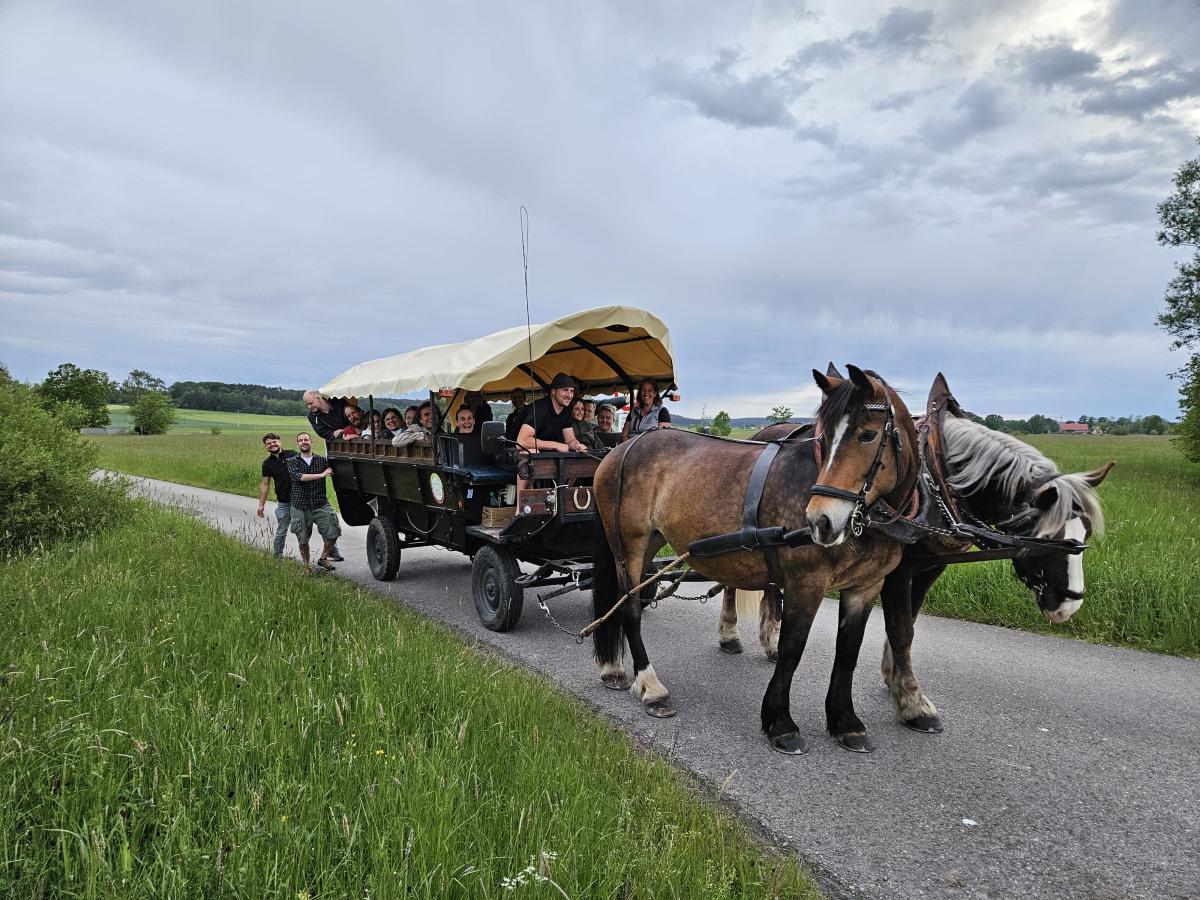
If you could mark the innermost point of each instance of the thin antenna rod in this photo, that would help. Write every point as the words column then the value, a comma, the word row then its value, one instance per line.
column 528, row 320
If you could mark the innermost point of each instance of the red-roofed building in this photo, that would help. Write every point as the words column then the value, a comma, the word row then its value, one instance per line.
column 1072, row 428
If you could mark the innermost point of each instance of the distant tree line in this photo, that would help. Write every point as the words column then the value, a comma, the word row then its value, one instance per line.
column 1152, row 424
column 241, row 398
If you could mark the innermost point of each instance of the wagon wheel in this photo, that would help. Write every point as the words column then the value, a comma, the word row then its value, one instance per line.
column 498, row 597
column 383, row 549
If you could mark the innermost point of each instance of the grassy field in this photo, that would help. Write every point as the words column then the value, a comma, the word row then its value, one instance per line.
column 190, row 421
column 1143, row 578
column 183, row 716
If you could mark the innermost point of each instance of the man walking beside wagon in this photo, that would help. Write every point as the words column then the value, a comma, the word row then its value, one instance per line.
column 310, row 505
column 274, row 468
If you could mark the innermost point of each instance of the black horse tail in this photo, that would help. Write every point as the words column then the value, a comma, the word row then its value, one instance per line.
column 608, row 645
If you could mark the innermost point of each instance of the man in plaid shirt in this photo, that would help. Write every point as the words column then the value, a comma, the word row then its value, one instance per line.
column 310, row 506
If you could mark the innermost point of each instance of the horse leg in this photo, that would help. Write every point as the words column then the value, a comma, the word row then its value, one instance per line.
column 843, row 723
column 920, row 585
column 646, row 685
column 770, row 610
column 912, row 707
column 800, row 604
column 727, row 629
column 608, row 585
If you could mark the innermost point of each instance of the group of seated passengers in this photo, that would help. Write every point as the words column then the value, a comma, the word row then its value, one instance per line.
column 560, row 421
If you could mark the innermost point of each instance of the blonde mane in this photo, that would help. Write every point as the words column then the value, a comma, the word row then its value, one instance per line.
column 978, row 456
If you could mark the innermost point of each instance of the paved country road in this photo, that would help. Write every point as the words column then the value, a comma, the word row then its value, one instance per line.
column 1065, row 770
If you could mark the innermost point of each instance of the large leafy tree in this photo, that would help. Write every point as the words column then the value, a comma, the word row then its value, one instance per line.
column 1179, row 216
column 87, row 387
column 152, row 413
column 780, row 414
column 137, row 383
column 721, row 424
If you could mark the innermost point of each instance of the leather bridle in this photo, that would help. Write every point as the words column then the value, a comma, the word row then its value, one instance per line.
column 888, row 436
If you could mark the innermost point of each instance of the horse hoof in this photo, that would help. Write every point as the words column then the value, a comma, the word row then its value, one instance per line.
column 615, row 681
column 731, row 646
column 660, row 708
column 925, row 724
column 791, row 744
column 855, row 742
column 773, row 655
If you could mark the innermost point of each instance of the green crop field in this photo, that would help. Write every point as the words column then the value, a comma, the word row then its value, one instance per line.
column 1142, row 576
column 185, row 717
column 204, row 420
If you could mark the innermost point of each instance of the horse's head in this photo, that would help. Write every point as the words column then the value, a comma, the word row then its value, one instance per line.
column 1008, row 482
column 1064, row 508
column 868, row 440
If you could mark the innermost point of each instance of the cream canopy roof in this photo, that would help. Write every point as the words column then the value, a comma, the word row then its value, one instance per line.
column 608, row 347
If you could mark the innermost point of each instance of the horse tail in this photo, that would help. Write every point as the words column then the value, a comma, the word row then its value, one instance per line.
column 607, row 641
column 748, row 603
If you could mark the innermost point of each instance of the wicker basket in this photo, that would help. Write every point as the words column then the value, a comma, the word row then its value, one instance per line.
column 498, row 516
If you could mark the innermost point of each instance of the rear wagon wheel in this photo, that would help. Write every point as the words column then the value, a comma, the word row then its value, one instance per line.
column 383, row 549
column 498, row 597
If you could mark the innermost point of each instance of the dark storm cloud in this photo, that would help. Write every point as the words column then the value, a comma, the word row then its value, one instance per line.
column 1139, row 93
column 978, row 110
column 826, row 135
column 894, row 102
column 715, row 92
column 830, row 53
column 1057, row 63
column 900, row 29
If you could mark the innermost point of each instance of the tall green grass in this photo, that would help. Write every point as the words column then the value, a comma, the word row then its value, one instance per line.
column 1143, row 576
column 222, row 462
column 182, row 716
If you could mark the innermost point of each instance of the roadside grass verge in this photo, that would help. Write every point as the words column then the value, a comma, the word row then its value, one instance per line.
column 183, row 716
column 1143, row 578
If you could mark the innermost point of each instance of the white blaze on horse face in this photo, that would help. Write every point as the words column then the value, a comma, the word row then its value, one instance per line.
column 1074, row 529
column 837, row 511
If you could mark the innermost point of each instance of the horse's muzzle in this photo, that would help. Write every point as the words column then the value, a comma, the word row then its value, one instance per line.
column 828, row 518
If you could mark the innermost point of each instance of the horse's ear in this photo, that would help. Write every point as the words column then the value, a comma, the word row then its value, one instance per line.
column 827, row 384
column 1046, row 496
column 832, row 370
column 861, row 380
column 1094, row 478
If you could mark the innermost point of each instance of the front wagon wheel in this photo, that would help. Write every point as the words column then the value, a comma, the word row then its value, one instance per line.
column 498, row 597
column 383, row 549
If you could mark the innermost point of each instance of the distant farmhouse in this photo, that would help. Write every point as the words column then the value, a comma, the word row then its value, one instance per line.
column 1072, row 428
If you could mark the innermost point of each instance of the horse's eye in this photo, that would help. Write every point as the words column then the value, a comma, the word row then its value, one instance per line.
column 867, row 437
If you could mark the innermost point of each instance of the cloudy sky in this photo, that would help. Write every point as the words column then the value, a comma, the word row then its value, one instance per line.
column 272, row 192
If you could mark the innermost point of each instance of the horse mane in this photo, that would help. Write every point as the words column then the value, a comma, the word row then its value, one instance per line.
column 978, row 457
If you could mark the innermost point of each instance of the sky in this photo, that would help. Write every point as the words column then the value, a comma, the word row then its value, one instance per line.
column 272, row 192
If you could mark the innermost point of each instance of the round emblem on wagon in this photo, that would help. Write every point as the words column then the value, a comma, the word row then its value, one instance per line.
column 437, row 488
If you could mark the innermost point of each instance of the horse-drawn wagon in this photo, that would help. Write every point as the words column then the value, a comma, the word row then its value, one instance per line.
column 440, row 493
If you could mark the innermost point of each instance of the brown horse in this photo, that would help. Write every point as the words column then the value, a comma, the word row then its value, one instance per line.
column 678, row 487
column 981, row 476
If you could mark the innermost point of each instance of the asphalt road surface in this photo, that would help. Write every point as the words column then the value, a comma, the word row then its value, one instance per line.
column 1066, row 769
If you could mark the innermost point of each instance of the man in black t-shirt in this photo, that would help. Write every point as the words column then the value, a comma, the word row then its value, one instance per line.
column 274, row 468
column 548, row 424
column 512, row 425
